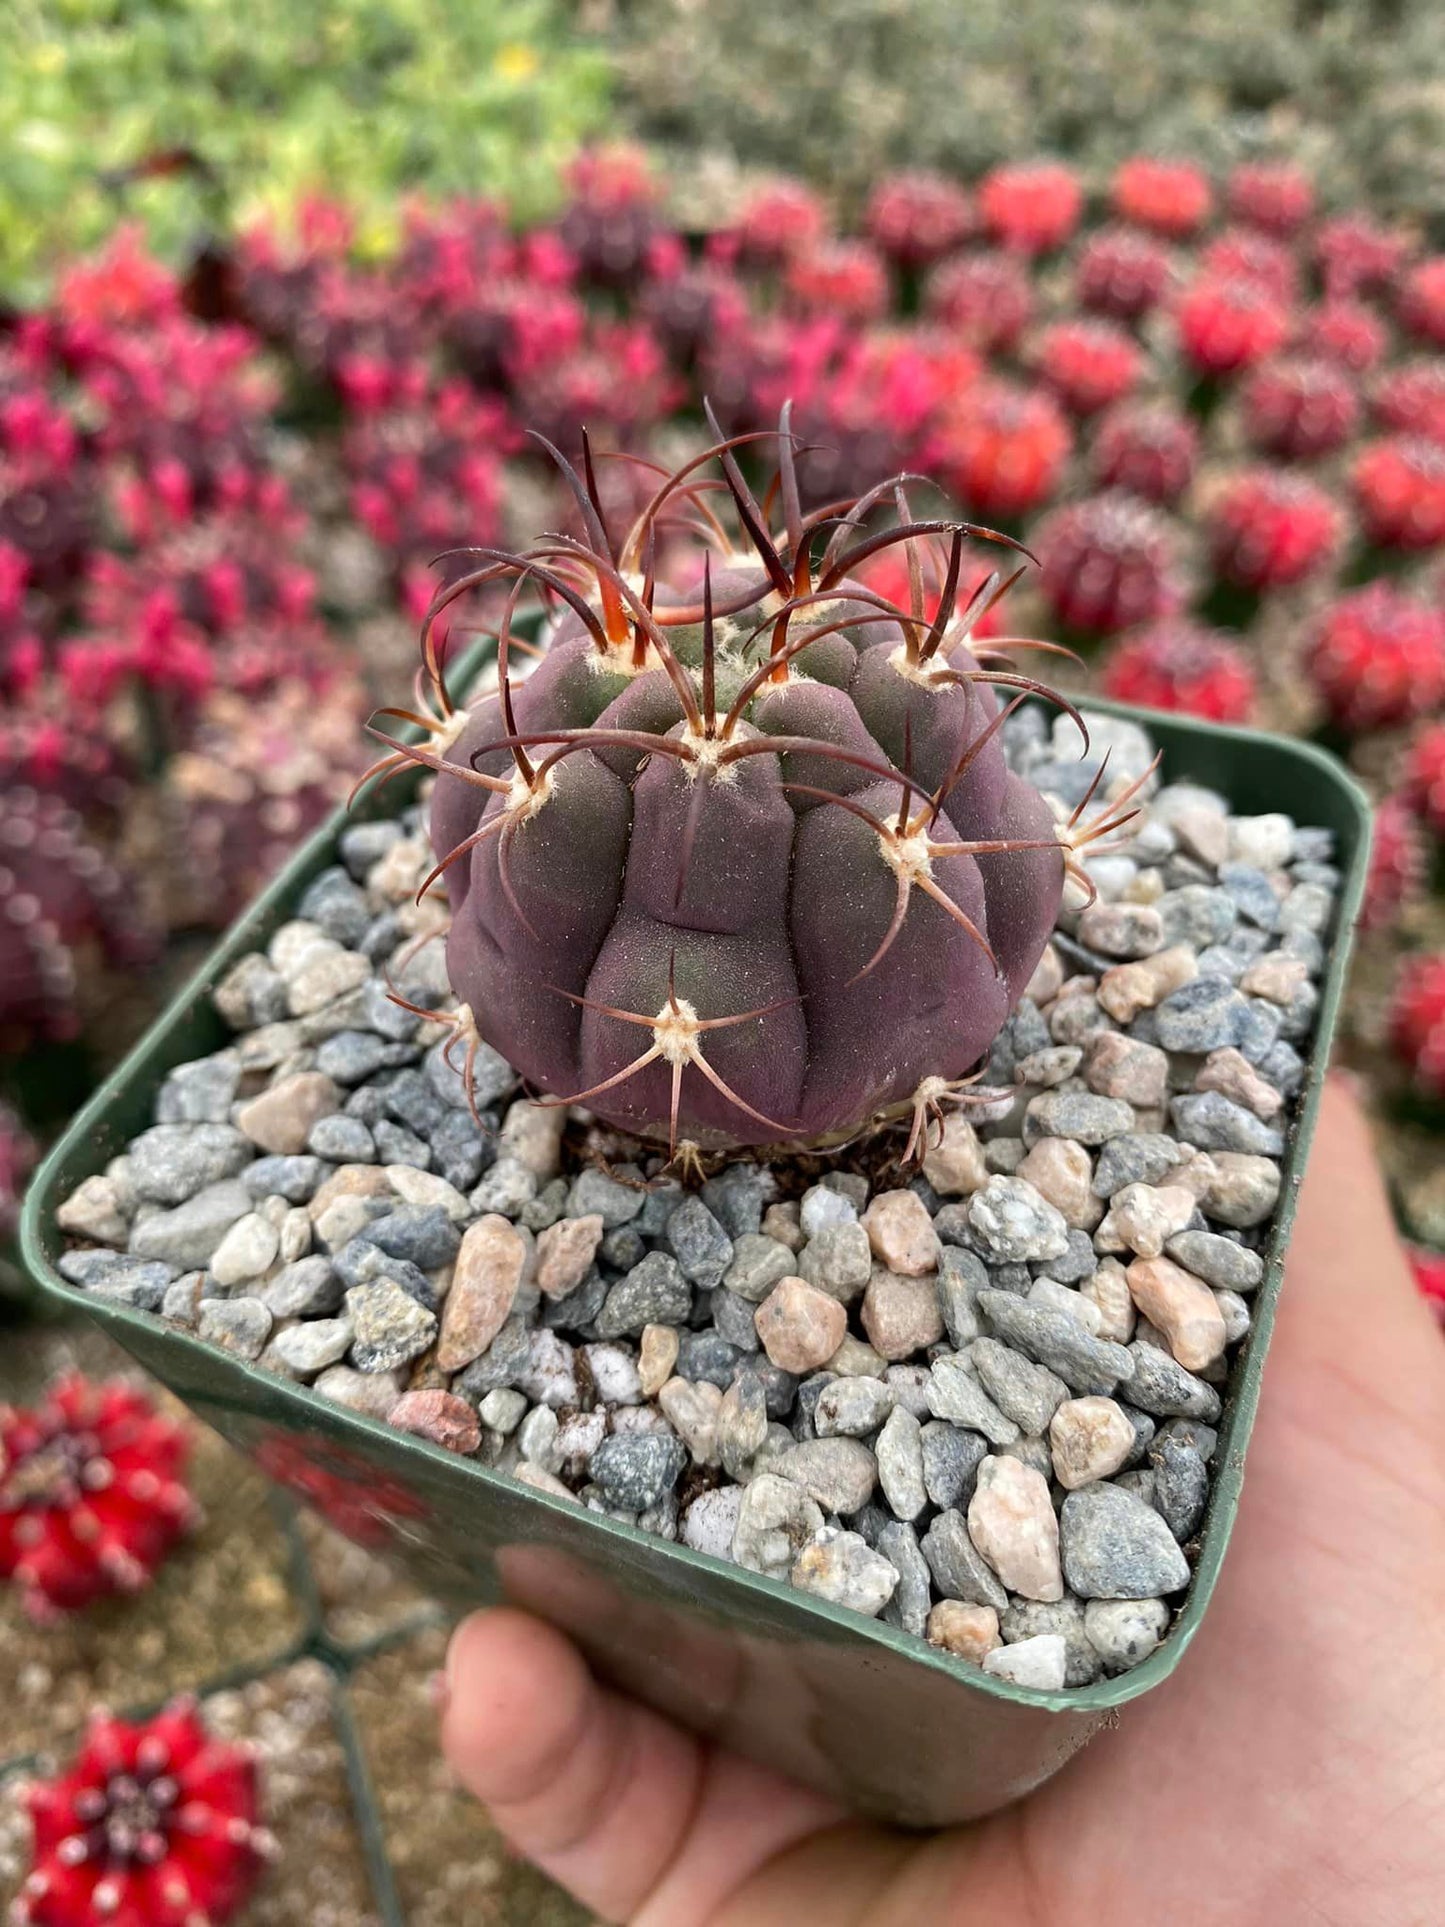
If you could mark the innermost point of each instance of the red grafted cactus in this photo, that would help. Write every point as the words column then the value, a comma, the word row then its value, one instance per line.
column 1243, row 254
column 741, row 861
column 1167, row 197
column 1272, row 527
column 1378, row 657
column 92, row 1498
column 1417, row 1020
column 1002, row 449
column 1031, row 206
column 1148, row 448
column 1421, row 305
column 1397, row 864
column 154, row 1824
column 779, row 219
column 842, row 278
column 1109, row 563
column 1228, row 324
column 1399, row 488
column 1425, row 776
column 1089, row 364
column 1355, row 255
column 1299, row 408
column 1182, row 665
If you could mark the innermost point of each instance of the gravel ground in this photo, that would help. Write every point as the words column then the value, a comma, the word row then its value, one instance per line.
column 981, row 1401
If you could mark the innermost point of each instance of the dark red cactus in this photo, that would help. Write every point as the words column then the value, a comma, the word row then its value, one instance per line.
column 58, row 895
column 1146, row 448
column 1166, row 197
column 741, row 861
column 1410, row 399
column 1343, row 331
column 1122, row 273
column 612, row 219
column 917, row 218
column 153, row 1825
column 92, row 1498
column 1109, row 563
column 986, row 299
column 1181, row 665
column 1244, row 254
column 1271, row 195
column 1355, row 255
column 779, row 219
column 1299, row 408
column 846, row 279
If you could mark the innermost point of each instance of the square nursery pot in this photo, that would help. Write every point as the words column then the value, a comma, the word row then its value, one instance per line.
column 873, row 1716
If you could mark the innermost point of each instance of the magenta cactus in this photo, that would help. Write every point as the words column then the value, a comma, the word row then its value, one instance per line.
column 741, row 861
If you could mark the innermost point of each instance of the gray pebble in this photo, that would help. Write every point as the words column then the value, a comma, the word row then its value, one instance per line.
column 758, row 1263
column 706, row 1357
column 1142, row 1157
column 1219, row 1261
column 953, row 1394
column 200, row 1092
column 306, row 1349
column 251, row 994
column 391, row 1328
column 734, row 1318
column 1215, row 1122
column 1086, row 1364
column 837, row 1474
column 362, row 845
column 593, row 1191
column 962, row 1275
column 1181, row 1485
column 1080, row 1115
column 1197, row 915
column 172, row 1162
column 738, row 1196
column 349, row 1056
column 1162, row 1386
column 309, row 1288
column 423, row 1235
column 1027, row 1393
column 237, row 1325
column 345, row 1140
column 396, row 1145
column 913, row 1595
column 1203, row 1015
column 411, row 1100
column 775, row 1521
column 899, row 1452
column 702, row 1248
column 959, row 1569
column 951, row 1458
column 491, row 1076
column 1113, row 1546
column 118, row 1280
column 1077, row 1262
column 849, row 1407
column 653, row 1293
column 188, row 1235
column 335, row 904
column 838, row 1260
column 634, row 1471
column 296, row 1179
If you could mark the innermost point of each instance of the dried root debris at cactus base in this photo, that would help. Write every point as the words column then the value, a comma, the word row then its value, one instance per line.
column 1008, row 1449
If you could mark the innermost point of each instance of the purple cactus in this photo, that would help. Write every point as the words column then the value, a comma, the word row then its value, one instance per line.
column 741, row 861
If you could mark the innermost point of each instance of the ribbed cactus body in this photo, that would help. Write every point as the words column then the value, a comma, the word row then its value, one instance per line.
column 749, row 866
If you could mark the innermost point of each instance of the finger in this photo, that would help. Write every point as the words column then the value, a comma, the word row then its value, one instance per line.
column 637, row 1819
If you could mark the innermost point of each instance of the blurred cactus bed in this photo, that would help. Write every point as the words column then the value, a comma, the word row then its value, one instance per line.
column 284, row 288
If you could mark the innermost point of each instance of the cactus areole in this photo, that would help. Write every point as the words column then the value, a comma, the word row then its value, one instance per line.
column 740, row 862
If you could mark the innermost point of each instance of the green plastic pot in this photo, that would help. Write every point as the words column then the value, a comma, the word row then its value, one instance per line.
column 853, row 1706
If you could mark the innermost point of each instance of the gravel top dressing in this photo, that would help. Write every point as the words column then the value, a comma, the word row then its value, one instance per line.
column 977, row 1398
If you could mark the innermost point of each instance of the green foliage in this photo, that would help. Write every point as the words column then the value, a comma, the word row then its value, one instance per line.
column 278, row 98
column 843, row 90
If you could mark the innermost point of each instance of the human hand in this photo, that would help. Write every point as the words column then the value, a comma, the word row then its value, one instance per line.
column 1292, row 1770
